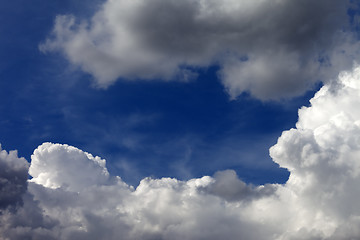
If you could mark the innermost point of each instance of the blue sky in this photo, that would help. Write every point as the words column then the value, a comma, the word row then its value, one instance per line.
column 142, row 128
column 179, row 119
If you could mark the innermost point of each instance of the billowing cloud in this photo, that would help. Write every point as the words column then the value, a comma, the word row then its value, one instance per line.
column 273, row 49
column 55, row 166
column 72, row 195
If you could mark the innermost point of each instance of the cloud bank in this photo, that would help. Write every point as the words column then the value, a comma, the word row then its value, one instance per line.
column 72, row 196
column 272, row 49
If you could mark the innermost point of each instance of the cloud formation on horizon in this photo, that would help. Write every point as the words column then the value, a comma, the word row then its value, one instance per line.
column 72, row 195
column 272, row 49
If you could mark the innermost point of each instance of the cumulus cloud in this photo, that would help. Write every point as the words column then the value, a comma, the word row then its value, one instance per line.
column 272, row 49
column 72, row 195
column 55, row 166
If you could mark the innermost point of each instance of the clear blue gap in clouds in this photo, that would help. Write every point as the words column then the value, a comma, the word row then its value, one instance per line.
column 142, row 129
column 26, row 74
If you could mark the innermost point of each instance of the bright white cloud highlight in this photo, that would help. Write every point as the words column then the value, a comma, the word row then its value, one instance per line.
column 72, row 196
column 50, row 167
column 273, row 49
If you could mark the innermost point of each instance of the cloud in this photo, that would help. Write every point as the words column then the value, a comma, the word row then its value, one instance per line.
column 72, row 195
column 322, row 154
column 13, row 178
column 55, row 166
column 228, row 186
column 272, row 49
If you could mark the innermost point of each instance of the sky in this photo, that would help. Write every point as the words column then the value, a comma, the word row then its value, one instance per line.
column 191, row 119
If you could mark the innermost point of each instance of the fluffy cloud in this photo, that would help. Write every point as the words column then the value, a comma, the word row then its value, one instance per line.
column 272, row 49
column 322, row 154
column 72, row 195
column 55, row 166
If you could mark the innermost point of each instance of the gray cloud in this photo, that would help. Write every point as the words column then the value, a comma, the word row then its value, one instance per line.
column 272, row 49
column 13, row 178
column 228, row 186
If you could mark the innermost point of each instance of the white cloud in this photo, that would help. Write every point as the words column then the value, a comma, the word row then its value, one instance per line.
column 55, row 165
column 72, row 196
column 272, row 49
